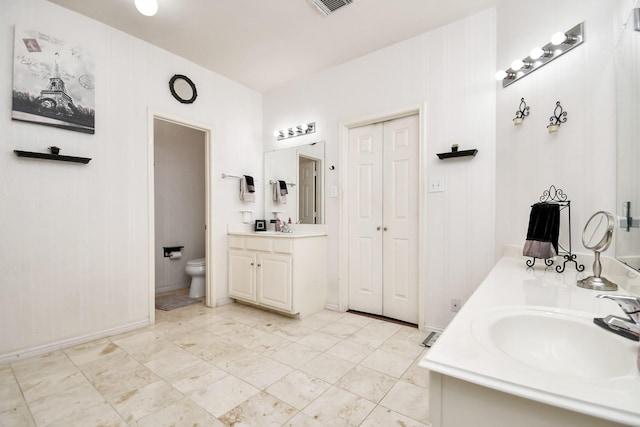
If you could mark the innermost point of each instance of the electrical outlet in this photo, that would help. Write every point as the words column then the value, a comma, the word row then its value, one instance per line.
column 455, row 305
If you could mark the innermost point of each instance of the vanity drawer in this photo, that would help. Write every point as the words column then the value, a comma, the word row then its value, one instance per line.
column 258, row 244
column 283, row 246
column 236, row 242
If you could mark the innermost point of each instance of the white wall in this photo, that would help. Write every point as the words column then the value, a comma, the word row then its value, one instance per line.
column 75, row 257
column 179, row 176
column 450, row 70
column 581, row 157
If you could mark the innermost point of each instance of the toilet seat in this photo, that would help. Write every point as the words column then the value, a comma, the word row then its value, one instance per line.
column 200, row 262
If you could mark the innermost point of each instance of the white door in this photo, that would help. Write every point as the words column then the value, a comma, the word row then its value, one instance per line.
column 383, row 218
column 307, row 190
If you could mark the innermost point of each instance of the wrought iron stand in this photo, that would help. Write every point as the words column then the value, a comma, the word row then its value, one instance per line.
column 556, row 195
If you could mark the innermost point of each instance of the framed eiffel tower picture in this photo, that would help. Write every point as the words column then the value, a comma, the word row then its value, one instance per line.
column 53, row 82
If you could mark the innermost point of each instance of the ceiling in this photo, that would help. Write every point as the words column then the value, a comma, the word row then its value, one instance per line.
column 265, row 44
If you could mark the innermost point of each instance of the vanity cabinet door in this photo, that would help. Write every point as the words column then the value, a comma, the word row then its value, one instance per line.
column 274, row 281
column 242, row 275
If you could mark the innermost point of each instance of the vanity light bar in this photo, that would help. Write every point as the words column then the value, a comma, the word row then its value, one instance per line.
column 560, row 44
column 294, row 131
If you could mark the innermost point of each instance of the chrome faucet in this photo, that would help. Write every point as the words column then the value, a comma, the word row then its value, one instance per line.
column 629, row 327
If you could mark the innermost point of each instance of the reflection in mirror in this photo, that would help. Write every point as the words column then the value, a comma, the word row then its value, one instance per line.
column 301, row 167
column 627, row 66
column 597, row 236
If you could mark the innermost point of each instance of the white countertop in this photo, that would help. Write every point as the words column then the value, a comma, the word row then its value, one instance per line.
column 278, row 235
column 299, row 231
column 461, row 353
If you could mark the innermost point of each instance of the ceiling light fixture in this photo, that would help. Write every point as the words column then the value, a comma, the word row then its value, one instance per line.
column 560, row 44
column 147, row 7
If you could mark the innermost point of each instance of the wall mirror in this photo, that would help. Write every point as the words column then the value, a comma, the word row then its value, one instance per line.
column 183, row 89
column 627, row 57
column 302, row 168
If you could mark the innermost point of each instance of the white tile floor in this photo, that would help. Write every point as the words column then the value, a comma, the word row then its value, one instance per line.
column 229, row 366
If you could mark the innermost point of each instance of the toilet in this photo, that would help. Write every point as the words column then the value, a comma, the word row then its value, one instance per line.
column 196, row 268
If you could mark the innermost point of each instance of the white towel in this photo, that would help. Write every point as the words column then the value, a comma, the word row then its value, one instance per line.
column 278, row 197
column 245, row 195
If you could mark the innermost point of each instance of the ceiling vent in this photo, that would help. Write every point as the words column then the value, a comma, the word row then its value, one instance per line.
column 329, row 6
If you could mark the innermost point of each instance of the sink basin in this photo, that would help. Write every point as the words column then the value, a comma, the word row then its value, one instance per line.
column 563, row 343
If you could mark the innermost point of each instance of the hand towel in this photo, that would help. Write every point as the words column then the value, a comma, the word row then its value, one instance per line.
column 542, row 234
column 245, row 195
column 278, row 197
column 250, row 186
column 283, row 188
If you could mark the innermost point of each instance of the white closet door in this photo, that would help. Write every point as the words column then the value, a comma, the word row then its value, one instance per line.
column 383, row 218
column 365, row 218
column 400, row 213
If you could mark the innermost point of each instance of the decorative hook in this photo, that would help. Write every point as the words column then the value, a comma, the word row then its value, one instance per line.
column 559, row 117
column 523, row 111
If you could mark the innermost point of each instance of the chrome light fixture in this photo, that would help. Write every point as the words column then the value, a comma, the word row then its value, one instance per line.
column 147, row 7
column 292, row 132
column 560, row 44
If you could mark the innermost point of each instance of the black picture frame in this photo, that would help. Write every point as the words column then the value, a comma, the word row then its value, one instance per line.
column 261, row 225
column 177, row 95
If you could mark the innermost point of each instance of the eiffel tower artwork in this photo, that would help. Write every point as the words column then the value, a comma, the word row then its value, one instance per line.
column 53, row 83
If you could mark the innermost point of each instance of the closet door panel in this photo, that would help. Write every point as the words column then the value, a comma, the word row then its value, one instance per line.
column 400, row 212
column 365, row 219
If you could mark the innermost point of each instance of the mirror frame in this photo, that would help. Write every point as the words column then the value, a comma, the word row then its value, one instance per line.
column 176, row 95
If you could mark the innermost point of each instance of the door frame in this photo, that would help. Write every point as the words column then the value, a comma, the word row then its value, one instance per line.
column 152, row 115
column 343, row 233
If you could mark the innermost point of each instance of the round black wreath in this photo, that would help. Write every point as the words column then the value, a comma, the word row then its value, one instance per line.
column 191, row 85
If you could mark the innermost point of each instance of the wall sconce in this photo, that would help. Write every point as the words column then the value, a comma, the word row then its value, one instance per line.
column 304, row 129
column 523, row 111
column 560, row 44
column 557, row 119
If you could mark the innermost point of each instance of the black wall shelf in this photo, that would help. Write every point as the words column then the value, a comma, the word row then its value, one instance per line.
column 462, row 153
column 47, row 156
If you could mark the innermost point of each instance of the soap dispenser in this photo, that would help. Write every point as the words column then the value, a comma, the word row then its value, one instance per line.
column 278, row 224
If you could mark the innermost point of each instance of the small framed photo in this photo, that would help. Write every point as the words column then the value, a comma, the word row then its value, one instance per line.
column 261, row 225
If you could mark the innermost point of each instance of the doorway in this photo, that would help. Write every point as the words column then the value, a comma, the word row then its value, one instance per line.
column 308, row 191
column 383, row 218
column 179, row 195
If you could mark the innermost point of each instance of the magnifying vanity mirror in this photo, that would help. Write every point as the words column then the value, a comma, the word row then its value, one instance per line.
column 627, row 65
column 302, row 168
column 597, row 236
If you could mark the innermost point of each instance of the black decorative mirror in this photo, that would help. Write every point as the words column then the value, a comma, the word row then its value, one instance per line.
column 183, row 89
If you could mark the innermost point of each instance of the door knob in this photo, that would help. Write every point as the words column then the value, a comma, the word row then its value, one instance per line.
column 252, row 264
column 385, row 229
column 378, row 228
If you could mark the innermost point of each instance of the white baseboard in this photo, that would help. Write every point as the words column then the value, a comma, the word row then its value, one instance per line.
column 70, row 342
column 332, row 307
column 224, row 301
column 171, row 288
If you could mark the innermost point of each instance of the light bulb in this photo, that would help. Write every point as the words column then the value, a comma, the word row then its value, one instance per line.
column 536, row 53
column 276, row 133
column 517, row 64
column 501, row 74
column 304, row 127
column 558, row 38
column 147, row 7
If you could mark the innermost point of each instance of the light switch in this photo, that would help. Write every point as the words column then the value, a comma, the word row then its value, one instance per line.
column 334, row 191
column 436, row 184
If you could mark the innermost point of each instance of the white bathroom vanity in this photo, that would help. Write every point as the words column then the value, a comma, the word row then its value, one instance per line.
column 524, row 351
column 279, row 271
